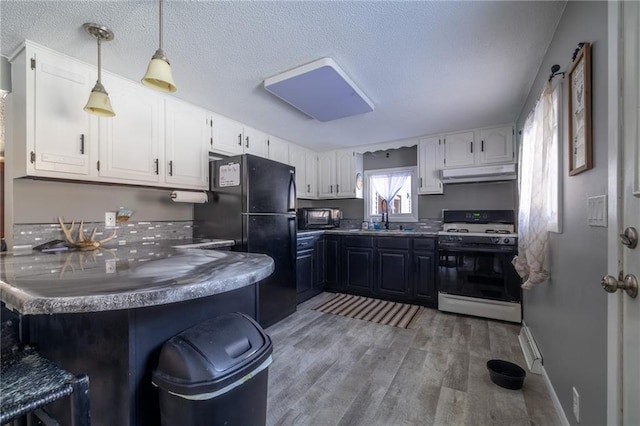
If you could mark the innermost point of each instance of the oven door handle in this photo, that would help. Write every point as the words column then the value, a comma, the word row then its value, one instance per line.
column 473, row 250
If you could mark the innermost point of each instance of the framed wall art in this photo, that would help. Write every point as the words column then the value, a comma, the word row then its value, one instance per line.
column 580, row 145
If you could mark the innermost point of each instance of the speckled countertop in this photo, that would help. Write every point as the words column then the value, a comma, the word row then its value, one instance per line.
column 124, row 277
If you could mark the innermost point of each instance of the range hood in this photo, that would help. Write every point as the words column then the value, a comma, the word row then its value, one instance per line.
column 480, row 174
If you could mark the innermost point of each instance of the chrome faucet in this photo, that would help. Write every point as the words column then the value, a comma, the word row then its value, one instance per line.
column 386, row 211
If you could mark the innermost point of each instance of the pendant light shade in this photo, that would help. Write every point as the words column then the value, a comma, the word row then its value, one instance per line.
column 99, row 103
column 159, row 76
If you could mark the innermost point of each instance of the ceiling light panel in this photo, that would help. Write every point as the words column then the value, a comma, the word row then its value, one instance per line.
column 320, row 89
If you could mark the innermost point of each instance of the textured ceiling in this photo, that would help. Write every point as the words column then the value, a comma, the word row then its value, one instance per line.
column 428, row 67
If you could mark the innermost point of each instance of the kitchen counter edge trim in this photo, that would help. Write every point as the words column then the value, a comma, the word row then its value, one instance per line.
column 250, row 269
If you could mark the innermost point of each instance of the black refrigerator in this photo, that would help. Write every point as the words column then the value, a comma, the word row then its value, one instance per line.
column 253, row 202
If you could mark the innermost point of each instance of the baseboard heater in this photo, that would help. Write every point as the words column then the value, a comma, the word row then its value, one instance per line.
column 530, row 350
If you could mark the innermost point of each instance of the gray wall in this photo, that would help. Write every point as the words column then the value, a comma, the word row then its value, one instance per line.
column 497, row 195
column 38, row 201
column 568, row 316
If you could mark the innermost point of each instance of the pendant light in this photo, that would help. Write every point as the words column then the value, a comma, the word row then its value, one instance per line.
column 158, row 74
column 99, row 103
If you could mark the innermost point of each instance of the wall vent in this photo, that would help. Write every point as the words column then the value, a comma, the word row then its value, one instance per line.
column 530, row 350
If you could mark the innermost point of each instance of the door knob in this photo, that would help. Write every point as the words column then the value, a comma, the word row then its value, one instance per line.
column 630, row 237
column 629, row 284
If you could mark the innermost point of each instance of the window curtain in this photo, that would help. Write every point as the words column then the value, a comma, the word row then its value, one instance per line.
column 531, row 263
column 388, row 186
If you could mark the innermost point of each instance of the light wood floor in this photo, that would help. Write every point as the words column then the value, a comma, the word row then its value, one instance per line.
column 331, row 370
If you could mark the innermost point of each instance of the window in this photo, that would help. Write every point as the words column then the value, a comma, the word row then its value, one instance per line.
column 399, row 187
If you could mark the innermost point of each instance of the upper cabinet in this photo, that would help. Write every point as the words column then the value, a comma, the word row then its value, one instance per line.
column 306, row 163
column 130, row 143
column 230, row 137
column 278, row 149
column 458, row 149
column 430, row 162
column 340, row 174
column 187, row 138
column 51, row 130
column 485, row 146
column 496, row 145
column 146, row 143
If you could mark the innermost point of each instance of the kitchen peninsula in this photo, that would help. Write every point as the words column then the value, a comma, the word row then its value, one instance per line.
column 107, row 312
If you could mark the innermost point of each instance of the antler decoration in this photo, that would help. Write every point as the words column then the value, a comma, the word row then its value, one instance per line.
column 83, row 242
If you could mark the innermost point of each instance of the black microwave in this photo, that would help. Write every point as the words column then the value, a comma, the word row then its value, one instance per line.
column 318, row 218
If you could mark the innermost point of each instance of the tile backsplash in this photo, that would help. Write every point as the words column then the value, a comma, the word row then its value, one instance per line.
column 25, row 235
column 425, row 225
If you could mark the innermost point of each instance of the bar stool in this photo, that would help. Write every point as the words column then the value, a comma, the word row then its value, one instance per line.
column 28, row 382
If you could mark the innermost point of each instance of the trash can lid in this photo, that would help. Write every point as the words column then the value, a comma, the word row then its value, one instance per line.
column 211, row 355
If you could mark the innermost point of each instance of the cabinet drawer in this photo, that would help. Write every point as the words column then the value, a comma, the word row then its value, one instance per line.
column 305, row 243
column 424, row 243
column 393, row 242
column 353, row 241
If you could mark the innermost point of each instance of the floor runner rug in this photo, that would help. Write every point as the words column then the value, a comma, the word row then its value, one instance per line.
column 379, row 311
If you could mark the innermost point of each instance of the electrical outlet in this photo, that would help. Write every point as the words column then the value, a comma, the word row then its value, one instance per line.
column 110, row 219
column 576, row 405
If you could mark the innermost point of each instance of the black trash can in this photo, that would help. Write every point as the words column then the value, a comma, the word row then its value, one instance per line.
column 215, row 374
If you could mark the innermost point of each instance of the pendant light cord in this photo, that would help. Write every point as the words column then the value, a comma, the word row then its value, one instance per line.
column 161, row 29
column 99, row 59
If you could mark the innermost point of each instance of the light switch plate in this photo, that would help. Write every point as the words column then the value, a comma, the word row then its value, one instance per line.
column 597, row 211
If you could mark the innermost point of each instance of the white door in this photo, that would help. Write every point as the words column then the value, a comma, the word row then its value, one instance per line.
column 624, row 311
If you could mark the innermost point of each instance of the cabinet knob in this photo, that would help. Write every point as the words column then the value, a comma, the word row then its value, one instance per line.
column 247, row 139
column 171, row 168
column 240, row 139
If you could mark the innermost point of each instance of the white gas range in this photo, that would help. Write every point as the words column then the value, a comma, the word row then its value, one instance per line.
column 475, row 274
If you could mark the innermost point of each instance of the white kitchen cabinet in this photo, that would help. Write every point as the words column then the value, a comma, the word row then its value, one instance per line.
column 430, row 163
column 327, row 174
column 233, row 138
column 187, row 138
column 349, row 165
column 459, row 149
column 496, row 145
column 338, row 174
column 486, row 146
column 311, row 174
column 306, row 163
column 254, row 142
column 278, row 149
column 226, row 135
column 130, row 143
column 51, row 132
column 297, row 160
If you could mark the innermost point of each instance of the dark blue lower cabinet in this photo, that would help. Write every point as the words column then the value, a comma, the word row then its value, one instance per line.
column 400, row 269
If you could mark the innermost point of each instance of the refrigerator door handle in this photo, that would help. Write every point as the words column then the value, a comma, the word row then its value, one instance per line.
column 291, row 205
column 293, row 240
